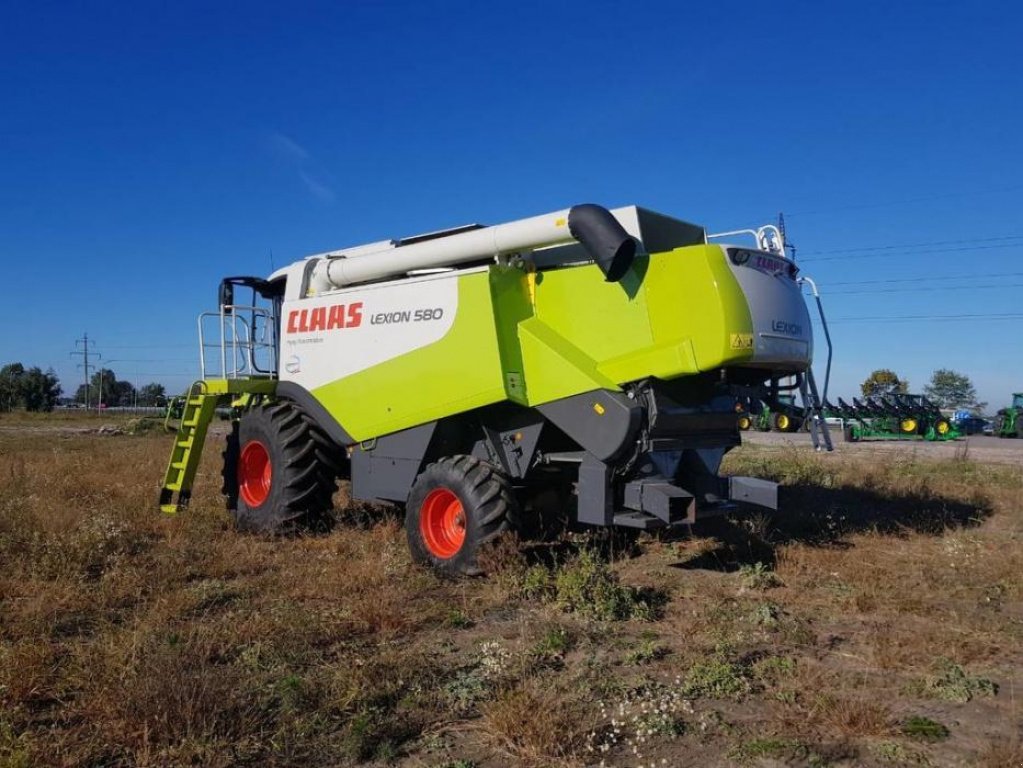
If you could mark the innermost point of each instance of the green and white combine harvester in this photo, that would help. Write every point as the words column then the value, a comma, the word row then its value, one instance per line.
column 471, row 373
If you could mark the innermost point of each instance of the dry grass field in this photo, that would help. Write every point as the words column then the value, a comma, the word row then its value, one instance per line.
column 877, row 622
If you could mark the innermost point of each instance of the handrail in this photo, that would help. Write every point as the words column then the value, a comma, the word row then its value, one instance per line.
column 238, row 345
column 827, row 332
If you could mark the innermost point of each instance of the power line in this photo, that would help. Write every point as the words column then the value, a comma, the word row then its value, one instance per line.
column 929, row 244
column 964, row 249
column 926, row 288
column 983, row 275
column 912, row 318
column 150, row 346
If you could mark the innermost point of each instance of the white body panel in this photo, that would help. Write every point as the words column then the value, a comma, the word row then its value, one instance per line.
column 329, row 337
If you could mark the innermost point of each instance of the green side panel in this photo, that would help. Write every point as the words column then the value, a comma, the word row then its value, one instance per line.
column 555, row 367
column 459, row 372
column 694, row 296
column 674, row 314
column 511, row 294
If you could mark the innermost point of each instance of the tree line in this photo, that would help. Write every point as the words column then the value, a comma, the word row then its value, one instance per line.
column 947, row 388
column 37, row 390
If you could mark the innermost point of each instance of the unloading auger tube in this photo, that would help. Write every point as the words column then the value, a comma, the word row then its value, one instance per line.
column 593, row 226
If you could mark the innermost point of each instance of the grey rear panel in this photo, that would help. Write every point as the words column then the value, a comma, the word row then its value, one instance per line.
column 781, row 322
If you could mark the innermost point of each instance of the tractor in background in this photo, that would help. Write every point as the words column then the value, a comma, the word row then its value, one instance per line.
column 1009, row 421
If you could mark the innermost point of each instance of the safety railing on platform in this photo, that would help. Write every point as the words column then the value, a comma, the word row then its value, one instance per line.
column 243, row 342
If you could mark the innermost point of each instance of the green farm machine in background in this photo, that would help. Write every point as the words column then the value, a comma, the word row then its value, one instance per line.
column 1009, row 421
column 782, row 414
column 592, row 356
column 892, row 417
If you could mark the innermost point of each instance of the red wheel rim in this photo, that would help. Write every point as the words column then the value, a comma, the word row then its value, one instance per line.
column 442, row 523
column 254, row 473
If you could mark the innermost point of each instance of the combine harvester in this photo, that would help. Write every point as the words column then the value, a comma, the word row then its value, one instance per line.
column 892, row 417
column 467, row 373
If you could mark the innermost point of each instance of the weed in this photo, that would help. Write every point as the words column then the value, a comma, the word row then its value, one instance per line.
column 757, row 576
column 368, row 737
column 587, row 586
column 649, row 650
column 717, row 679
column 765, row 615
column 897, row 754
column 456, row 619
column 536, row 583
column 550, row 649
column 751, row 750
column 773, row 668
column 951, row 683
column 925, row 729
column 642, row 715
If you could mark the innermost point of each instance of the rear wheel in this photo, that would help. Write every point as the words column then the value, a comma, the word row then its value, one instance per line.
column 457, row 505
column 908, row 425
column 784, row 423
column 280, row 470
column 942, row 427
column 744, row 422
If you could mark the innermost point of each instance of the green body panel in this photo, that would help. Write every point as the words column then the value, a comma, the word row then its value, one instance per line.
column 460, row 372
column 537, row 337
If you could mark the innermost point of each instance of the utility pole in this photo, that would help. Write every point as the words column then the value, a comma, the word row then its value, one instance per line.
column 82, row 350
column 791, row 248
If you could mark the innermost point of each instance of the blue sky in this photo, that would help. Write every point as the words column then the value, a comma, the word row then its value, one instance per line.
column 147, row 149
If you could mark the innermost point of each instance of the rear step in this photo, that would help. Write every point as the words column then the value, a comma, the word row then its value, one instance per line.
column 653, row 503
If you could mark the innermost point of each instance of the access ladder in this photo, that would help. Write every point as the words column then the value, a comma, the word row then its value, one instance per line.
column 201, row 402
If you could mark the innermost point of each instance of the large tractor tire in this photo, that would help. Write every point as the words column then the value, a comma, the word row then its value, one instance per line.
column 744, row 422
column 782, row 422
column 942, row 427
column 908, row 425
column 456, row 506
column 280, row 470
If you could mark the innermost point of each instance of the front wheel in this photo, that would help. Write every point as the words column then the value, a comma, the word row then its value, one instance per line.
column 280, row 470
column 457, row 505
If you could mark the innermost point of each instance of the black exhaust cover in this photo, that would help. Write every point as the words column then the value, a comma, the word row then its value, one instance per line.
column 604, row 239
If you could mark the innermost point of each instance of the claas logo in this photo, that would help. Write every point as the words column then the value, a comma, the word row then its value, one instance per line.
column 325, row 318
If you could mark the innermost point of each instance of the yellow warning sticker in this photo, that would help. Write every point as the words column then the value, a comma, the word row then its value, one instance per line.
column 742, row 341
